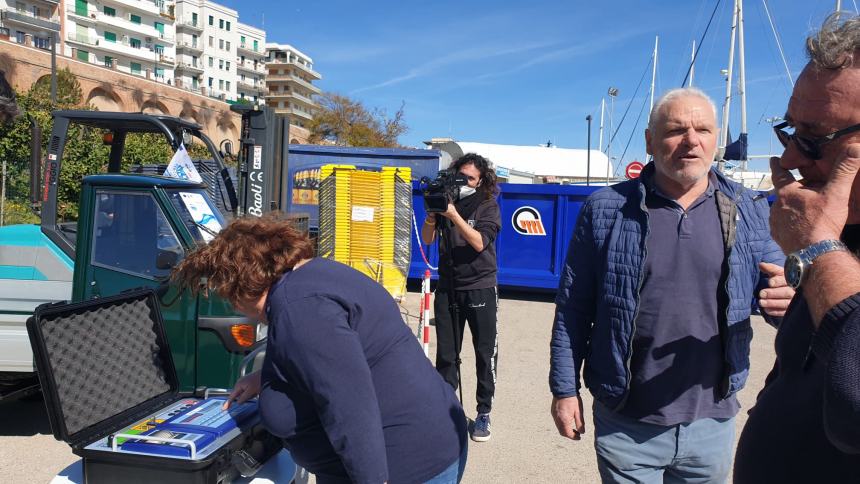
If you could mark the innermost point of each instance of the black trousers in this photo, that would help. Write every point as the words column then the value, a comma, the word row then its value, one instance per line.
column 478, row 307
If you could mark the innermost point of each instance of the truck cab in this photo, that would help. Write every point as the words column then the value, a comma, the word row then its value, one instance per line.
column 131, row 230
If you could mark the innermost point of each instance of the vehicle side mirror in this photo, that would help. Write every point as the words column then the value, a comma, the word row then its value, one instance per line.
column 166, row 259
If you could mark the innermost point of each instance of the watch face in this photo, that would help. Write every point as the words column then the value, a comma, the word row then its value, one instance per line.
column 793, row 270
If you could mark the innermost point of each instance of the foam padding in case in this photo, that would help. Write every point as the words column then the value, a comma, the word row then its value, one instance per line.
column 105, row 360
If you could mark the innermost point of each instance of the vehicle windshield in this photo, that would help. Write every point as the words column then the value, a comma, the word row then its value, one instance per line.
column 198, row 213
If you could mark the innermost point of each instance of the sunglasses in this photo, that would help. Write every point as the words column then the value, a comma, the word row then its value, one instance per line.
column 810, row 147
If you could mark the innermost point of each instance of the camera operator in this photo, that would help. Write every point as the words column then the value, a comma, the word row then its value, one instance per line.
column 467, row 281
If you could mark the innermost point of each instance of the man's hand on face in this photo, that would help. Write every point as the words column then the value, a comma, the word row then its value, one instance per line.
column 451, row 212
column 775, row 299
column 568, row 416
column 805, row 213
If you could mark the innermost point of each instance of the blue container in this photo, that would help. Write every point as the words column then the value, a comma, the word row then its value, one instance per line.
column 305, row 161
column 537, row 223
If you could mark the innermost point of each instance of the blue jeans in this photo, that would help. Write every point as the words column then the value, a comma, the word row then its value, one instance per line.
column 631, row 451
column 454, row 473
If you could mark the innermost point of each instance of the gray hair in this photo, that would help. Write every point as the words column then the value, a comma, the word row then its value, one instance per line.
column 674, row 94
column 837, row 43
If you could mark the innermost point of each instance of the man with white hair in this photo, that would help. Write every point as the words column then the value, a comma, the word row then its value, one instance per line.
column 655, row 299
column 805, row 426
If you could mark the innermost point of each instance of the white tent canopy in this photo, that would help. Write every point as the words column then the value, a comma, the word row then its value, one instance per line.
column 538, row 160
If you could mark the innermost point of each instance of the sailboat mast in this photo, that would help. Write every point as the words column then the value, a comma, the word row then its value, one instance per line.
column 654, row 72
column 724, row 130
column 692, row 64
column 602, row 110
column 653, row 81
column 742, row 81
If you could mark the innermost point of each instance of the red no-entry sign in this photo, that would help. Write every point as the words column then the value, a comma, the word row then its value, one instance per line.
column 633, row 169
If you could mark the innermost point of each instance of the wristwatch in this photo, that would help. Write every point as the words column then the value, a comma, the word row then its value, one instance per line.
column 797, row 263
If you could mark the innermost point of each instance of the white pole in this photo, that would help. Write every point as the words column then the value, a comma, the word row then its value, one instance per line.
column 602, row 109
column 653, row 83
column 654, row 73
column 692, row 64
column 724, row 130
column 609, row 143
column 742, row 82
column 838, row 5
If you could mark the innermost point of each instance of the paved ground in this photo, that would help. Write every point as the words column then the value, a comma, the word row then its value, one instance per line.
column 525, row 446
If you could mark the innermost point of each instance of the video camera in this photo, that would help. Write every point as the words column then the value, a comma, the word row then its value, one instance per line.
column 443, row 190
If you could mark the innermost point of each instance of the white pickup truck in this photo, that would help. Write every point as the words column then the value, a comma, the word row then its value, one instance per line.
column 32, row 272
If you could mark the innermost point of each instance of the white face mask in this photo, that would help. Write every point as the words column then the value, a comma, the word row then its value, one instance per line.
column 466, row 191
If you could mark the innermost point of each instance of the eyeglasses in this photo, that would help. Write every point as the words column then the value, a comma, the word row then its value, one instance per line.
column 810, row 147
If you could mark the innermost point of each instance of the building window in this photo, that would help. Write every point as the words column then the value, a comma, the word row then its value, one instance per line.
column 220, row 23
column 159, row 49
column 228, row 65
column 83, row 55
column 255, row 45
column 108, row 61
column 135, row 19
column 135, row 68
column 211, row 20
column 211, row 41
column 228, row 85
column 110, row 12
column 134, row 43
column 228, row 45
column 42, row 43
column 193, row 40
column 20, row 36
column 210, row 79
column 159, row 27
column 211, row 62
column 81, row 8
column 221, row 84
column 194, row 60
column 220, row 43
column 159, row 72
column 110, row 36
column 221, row 63
column 242, row 41
column 228, row 26
column 194, row 19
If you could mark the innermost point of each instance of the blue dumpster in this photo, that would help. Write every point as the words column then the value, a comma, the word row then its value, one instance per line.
column 537, row 222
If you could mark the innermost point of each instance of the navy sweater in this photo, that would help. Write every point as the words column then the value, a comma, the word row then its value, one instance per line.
column 805, row 426
column 346, row 385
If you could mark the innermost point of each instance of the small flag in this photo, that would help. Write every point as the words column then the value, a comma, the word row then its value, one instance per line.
column 182, row 167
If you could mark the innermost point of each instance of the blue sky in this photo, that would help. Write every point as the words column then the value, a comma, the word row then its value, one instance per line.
column 529, row 72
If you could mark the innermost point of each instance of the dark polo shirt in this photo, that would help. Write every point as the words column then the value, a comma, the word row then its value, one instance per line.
column 677, row 361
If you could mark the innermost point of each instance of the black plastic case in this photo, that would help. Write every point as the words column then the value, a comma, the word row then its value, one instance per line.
column 105, row 364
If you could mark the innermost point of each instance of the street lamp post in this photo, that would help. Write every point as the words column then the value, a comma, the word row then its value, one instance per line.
column 588, row 152
column 613, row 93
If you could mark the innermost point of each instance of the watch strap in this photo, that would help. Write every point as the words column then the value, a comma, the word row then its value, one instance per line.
column 818, row 249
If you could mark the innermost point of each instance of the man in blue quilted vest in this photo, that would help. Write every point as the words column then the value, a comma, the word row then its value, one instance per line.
column 655, row 299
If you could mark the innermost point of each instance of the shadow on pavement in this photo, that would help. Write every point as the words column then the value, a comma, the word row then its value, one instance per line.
column 24, row 417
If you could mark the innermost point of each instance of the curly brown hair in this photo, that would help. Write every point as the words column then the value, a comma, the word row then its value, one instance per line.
column 243, row 261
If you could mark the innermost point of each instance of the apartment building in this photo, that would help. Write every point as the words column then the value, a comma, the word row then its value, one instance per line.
column 289, row 81
column 209, row 32
column 251, row 64
column 32, row 22
column 132, row 36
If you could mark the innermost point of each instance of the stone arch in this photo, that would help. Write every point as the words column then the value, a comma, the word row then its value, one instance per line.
column 105, row 100
column 188, row 113
column 224, row 131
column 154, row 106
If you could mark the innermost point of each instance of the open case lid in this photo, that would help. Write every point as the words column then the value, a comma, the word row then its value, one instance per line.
column 102, row 363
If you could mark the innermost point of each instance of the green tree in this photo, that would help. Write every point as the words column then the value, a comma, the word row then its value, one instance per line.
column 347, row 122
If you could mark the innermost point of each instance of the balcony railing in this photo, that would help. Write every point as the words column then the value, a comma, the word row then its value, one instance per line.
column 190, row 24
column 187, row 66
column 189, row 45
column 28, row 18
column 300, row 65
